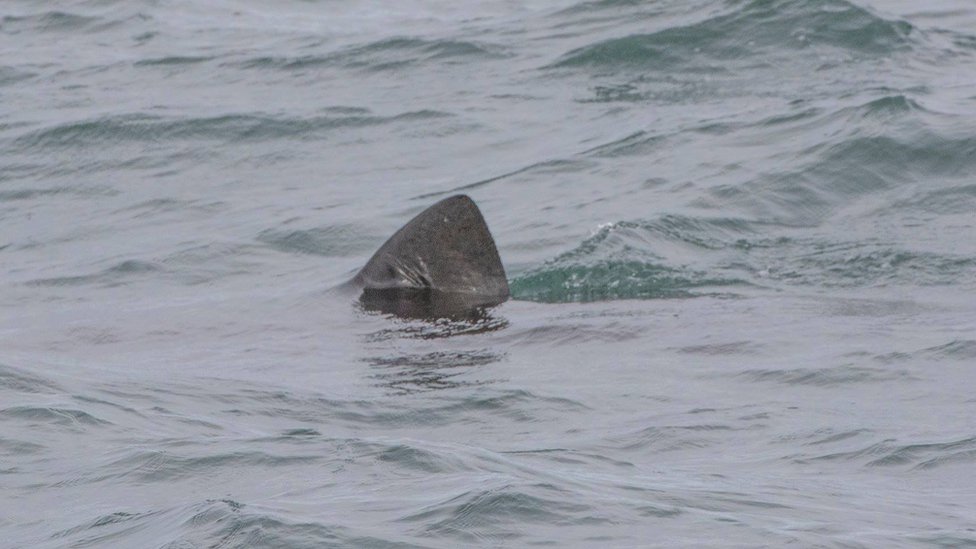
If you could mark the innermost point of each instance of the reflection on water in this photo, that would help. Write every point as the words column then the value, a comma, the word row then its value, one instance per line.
column 427, row 303
column 401, row 328
column 413, row 373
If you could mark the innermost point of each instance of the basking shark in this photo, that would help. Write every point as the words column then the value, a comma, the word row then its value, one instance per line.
column 442, row 264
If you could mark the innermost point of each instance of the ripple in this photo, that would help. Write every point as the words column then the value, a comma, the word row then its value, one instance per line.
column 20, row 381
column 12, row 447
column 386, row 55
column 52, row 415
column 670, row 438
column 51, row 21
column 430, row 371
column 107, row 528
column 160, row 466
column 624, row 260
column 495, row 513
column 959, row 199
column 82, row 191
column 959, row 349
column 477, row 321
column 12, row 75
column 445, row 408
column 231, row 128
column 228, row 523
column 826, row 377
column 173, row 60
column 419, row 459
column 919, row 456
column 115, row 275
column 329, row 241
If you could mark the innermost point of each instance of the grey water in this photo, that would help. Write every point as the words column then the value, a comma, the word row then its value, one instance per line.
column 740, row 237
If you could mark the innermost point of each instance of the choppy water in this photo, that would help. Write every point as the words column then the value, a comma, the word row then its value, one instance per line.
column 741, row 237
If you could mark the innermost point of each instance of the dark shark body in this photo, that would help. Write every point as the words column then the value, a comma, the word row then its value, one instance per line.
column 442, row 264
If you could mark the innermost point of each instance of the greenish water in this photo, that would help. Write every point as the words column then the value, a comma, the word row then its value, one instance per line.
column 740, row 238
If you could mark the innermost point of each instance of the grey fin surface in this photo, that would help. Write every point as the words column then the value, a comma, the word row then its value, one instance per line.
column 442, row 260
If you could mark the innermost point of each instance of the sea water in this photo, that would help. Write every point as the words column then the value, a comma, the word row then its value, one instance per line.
column 740, row 237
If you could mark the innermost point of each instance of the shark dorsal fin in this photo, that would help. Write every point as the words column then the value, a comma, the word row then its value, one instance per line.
column 447, row 248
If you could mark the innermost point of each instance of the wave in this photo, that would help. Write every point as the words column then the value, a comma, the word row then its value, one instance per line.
column 617, row 262
column 751, row 29
column 20, row 381
column 52, row 415
column 486, row 514
column 919, row 456
column 678, row 256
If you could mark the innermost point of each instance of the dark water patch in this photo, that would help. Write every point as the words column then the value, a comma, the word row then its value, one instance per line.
column 751, row 28
column 387, row 55
column 21, row 381
column 226, row 128
column 83, row 191
column 724, row 349
column 342, row 240
column 51, row 21
column 346, row 110
column 597, row 6
column 115, row 275
column 830, row 436
column 301, row 433
column 430, row 371
column 826, row 377
column 174, row 60
column 636, row 144
column 51, row 415
column 28, row 194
